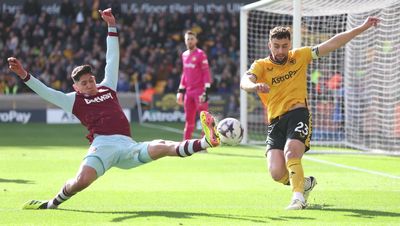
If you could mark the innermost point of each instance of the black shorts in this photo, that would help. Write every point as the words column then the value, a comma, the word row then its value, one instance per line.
column 295, row 124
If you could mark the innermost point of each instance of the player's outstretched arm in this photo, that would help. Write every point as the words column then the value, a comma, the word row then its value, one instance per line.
column 16, row 66
column 108, row 17
column 248, row 83
column 112, row 55
column 341, row 39
column 64, row 101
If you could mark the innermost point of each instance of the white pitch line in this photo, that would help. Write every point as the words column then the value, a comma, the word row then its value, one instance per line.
column 345, row 166
column 166, row 128
column 179, row 131
column 352, row 168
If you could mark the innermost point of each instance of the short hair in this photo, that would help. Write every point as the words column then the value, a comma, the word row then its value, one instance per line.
column 189, row 32
column 79, row 71
column 280, row 33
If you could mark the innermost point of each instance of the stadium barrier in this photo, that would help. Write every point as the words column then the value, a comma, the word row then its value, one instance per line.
column 28, row 108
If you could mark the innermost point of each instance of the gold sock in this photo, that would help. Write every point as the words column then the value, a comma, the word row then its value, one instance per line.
column 285, row 179
column 296, row 174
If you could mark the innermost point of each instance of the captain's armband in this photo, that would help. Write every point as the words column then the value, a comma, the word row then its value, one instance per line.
column 251, row 76
column 315, row 52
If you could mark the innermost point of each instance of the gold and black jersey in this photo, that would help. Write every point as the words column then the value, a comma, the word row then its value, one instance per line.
column 287, row 82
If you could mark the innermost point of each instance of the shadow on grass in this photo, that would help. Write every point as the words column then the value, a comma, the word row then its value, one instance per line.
column 187, row 215
column 360, row 213
column 17, row 181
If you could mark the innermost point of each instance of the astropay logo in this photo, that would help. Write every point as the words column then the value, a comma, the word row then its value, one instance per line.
column 15, row 116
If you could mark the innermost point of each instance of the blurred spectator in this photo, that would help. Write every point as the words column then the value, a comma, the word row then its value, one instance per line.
column 3, row 84
column 32, row 8
column 146, row 95
column 151, row 44
column 335, row 82
column 67, row 11
column 123, row 82
column 11, row 87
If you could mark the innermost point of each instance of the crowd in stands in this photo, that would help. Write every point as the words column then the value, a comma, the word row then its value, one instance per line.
column 150, row 44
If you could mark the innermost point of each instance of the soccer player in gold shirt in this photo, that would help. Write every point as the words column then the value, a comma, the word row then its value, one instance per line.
column 280, row 80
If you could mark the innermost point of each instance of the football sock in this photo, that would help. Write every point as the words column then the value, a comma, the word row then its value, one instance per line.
column 204, row 144
column 188, row 147
column 299, row 196
column 61, row 197
column 296, row 174
column 285, row 179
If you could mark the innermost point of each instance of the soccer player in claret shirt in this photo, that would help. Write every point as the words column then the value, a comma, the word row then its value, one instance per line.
column 195, row 83
column 281, row 83
column 98, row 109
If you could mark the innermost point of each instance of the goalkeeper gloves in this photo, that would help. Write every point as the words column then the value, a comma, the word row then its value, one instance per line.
column 182, row 90
column 204, row 96
column 180, row 95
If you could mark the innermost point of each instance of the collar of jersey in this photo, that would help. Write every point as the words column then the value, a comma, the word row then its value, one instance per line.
column 271, row 58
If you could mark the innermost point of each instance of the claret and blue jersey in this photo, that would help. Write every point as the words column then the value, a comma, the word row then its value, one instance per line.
column 101, row 113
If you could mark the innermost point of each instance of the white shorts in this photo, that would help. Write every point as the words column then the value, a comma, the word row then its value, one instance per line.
column 120, row 151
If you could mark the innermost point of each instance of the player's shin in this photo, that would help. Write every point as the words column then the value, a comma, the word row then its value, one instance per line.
column 296, row 177
column 188, row 147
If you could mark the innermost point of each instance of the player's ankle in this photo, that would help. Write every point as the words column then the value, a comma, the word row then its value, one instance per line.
column 299, row 196
column 51, row 205
column 204, row 144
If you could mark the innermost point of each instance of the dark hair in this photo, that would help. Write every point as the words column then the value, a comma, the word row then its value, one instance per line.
column 189, row 32
column 279, row 33
column 79, row 71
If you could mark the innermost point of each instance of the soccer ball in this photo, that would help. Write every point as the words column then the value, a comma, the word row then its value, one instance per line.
column 230, row 131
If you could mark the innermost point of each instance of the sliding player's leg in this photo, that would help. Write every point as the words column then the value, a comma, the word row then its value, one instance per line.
column 85, row 176
column 160, row 148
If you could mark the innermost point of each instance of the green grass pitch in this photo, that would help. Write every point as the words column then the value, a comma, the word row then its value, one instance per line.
column 227, row 186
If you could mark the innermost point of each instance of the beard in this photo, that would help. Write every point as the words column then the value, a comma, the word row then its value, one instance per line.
column 281, row 60
column 191, row 47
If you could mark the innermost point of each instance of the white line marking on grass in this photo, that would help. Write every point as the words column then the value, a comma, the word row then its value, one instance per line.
column 352, row 168
column 166, row 128
column 344, row 166
column 170, row 129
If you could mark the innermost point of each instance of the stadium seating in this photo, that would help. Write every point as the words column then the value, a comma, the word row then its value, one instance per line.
column 52, row 45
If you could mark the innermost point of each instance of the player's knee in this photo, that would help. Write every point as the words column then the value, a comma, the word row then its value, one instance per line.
column 289, row 154
column 159, row 141
column 160, row 149
column 293, row 154
column 294, row 149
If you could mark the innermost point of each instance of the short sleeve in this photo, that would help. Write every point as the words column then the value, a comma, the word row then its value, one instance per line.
column 256, row 69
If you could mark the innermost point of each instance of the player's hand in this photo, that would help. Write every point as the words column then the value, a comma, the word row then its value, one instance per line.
column 203, row 97
column 261, row 88
column 16, row 66
column 108, row 17
column 179, row 98
column 370, row 21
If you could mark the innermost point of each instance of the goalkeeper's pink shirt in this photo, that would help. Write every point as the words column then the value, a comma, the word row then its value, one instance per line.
column 195, row 72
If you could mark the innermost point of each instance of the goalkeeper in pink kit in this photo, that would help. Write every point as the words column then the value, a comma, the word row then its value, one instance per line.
column 195, row 83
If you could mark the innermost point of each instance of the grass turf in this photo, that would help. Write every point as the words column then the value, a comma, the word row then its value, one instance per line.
column 227, row 186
